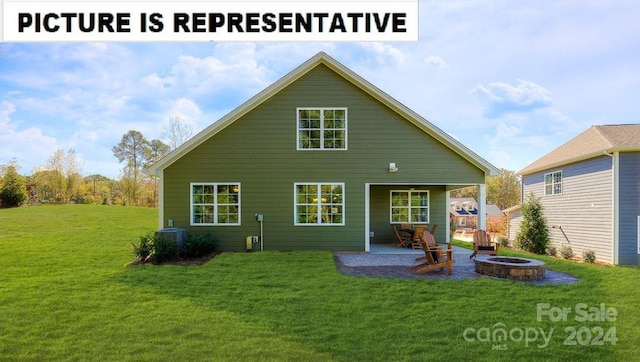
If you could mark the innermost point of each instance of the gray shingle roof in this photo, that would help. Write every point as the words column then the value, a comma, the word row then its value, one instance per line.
column 591, row 143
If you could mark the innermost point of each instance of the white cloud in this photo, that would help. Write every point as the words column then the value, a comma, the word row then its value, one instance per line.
column 499, row 98
column 436, row 61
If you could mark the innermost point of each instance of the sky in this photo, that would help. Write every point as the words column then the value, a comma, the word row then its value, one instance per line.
column 511, row 80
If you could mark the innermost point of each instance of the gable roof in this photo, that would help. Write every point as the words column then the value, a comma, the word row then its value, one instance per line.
column 349, row 75
column 596, row 141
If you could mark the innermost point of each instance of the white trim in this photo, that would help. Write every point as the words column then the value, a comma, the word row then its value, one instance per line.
column 319, row 203
column 428, row 207
column 215, row 204
column 553, row 183
column 161, row 201
column 615, row 245
column 347, row 74
column 482, row 207
column 322, row 129
column 367, row 217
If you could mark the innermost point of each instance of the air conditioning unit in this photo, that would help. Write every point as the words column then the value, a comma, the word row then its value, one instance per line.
column 176, row 234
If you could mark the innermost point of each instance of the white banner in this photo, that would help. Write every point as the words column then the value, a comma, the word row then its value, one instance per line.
column 349, row 20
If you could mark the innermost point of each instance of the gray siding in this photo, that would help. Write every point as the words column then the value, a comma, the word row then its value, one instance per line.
column 259, row 151
column 514, row 219
column 583, row 215
column 629, row 209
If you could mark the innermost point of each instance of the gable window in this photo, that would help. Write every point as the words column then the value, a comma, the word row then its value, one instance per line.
column 553, row 183
column 215, row 203
column 319, row 204
column 410, row 206
column 322, row 128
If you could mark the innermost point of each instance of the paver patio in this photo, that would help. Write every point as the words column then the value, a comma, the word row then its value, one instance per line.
column 390, row 262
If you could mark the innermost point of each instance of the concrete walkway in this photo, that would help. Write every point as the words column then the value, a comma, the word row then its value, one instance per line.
column 388, row 261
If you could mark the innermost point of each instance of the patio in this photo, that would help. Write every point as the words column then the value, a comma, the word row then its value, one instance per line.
column 388, row 261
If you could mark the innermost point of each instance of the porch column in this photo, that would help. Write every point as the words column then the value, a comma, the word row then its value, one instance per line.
column 447, row 204
column 482, row 207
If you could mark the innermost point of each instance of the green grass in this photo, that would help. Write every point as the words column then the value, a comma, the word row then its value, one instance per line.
column 66, row 295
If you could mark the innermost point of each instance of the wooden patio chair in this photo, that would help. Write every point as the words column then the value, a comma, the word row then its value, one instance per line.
column 434, row 257
column 433, row 230
column 417, row 234
column 401, row 241
column 482, row 244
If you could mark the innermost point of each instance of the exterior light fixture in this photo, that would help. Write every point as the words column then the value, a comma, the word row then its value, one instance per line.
column 392, row 167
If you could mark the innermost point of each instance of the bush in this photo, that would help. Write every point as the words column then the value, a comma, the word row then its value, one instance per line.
column 533, row 235
column 589, row 256
column 503, row 240
column 144, row 249
column 552, row 250
column 13, row 191
column 566, row 251
column 197, row 246
column 157, row 249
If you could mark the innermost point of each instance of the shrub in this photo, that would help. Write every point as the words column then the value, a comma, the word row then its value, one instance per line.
column 589, row 256
column 163, row 249
column 144, row 249
column 13, row 191
column 566, row 251
column 552, row 250
column 197, row 246
column 533, row 235
column 503, row 240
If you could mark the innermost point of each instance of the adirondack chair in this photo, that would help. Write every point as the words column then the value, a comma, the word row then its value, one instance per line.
column 482, row 244
column 401, row 241
column 434, row 257
column 417, row 233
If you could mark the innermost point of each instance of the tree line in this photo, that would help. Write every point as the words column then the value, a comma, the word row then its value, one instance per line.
column 60, row 181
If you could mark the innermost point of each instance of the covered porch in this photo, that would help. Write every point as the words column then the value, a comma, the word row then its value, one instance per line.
column 417, row 204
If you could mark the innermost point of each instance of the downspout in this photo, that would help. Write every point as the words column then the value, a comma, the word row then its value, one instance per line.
column 615, row 219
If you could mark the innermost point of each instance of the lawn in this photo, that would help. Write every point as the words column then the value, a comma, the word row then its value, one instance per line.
column 65, row 294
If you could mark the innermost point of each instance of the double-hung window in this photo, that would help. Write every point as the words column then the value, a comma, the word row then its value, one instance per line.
column 215, row 203
column 410, row 206
column 319, row 203
column 553, row 183
column 322, row 128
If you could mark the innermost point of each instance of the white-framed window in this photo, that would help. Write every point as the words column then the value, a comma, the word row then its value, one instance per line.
column 462, row 221
column 409, row 206
column 553, row 183
column 322, row 128
column 318, row 203
column 215, row 203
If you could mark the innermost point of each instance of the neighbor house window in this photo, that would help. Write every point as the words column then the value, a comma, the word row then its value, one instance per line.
column 410, row 206
column 322, row 128
column 215, row 204
column 319, row 204
column 553, row 183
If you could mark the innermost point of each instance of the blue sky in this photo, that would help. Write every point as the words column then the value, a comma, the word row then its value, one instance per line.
column 512, row 80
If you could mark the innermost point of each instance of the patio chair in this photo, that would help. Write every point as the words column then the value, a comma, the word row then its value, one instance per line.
column 482, row 244
column 434, row 257
column 401, row 241
column 433, row 230
column 417, row 233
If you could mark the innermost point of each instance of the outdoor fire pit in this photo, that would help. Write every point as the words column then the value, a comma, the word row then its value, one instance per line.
column 510, row 267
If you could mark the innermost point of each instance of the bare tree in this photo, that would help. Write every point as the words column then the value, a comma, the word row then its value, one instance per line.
column 133, row 148
column 177, row 132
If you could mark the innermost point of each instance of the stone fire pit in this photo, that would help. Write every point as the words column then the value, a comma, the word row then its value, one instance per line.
column 510, row 267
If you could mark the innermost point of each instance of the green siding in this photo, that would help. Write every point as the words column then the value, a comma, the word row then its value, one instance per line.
column 259, row 151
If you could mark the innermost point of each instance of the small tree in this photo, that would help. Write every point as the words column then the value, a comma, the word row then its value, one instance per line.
column 13, row 191
column 533, row 235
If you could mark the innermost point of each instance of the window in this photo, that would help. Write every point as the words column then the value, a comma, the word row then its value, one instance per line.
column 319, row 204
column 410, row 206
column 322, row 128
column 215, row 204
column 553, row 183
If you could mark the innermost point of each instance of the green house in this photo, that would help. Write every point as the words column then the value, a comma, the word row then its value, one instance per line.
column 321, row 159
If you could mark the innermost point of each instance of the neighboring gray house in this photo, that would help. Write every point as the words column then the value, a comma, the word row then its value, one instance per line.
column 590, row 191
